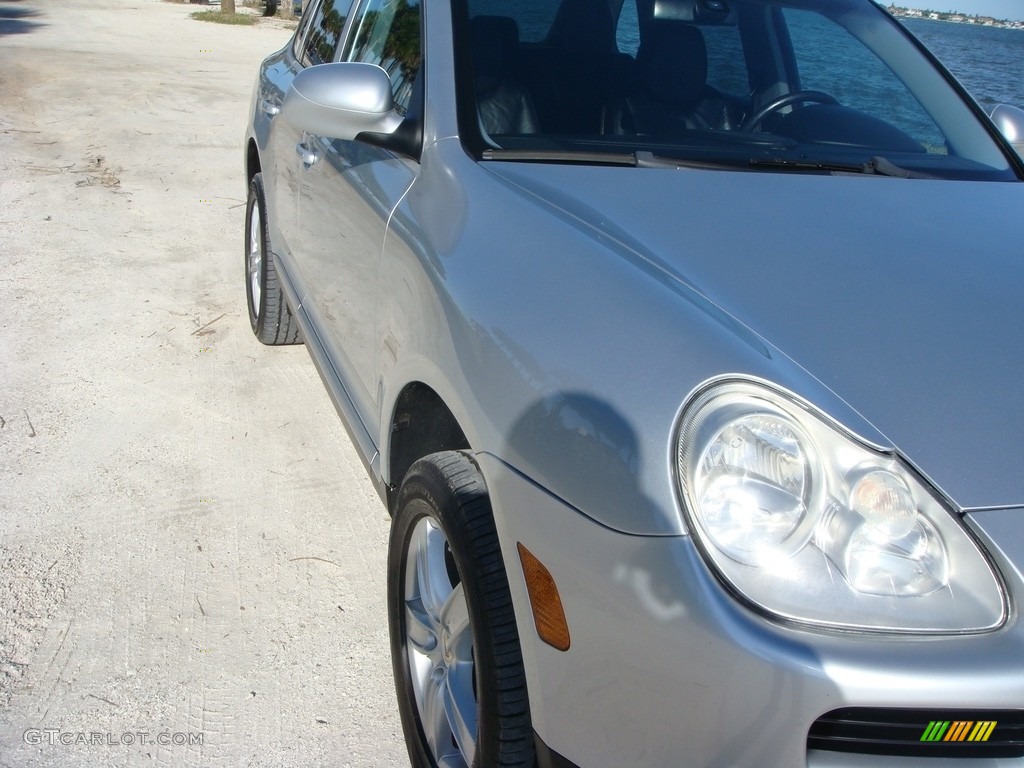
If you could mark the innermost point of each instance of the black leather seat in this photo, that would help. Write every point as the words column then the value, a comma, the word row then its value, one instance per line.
column 503, row 103
column 670, row 93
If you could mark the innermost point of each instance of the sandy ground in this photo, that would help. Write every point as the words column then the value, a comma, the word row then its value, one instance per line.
column 189, row 548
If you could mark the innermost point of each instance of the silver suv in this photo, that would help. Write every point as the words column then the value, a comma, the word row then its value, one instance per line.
column 684, row 342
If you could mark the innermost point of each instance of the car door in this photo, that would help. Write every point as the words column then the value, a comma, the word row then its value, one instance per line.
column 348, row 191
column 315, row 43
column 277, row 139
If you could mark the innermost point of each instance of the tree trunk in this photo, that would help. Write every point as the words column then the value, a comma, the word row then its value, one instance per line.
column 227, row 6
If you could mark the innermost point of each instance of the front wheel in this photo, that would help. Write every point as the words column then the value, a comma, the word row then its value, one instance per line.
column 454, row 643
column 269, row 315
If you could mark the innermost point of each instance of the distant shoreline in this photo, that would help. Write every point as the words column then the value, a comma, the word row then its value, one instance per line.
column 954, row 18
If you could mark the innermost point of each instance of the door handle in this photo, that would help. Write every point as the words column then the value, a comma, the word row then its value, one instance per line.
column 269, row 107
column 307, row 155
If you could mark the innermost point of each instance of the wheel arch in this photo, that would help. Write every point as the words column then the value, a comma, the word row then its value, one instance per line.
column 421, row 424
column 252, row 161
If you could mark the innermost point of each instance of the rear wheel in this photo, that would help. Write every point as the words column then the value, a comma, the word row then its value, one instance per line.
column 454, row 643
column 269, row 315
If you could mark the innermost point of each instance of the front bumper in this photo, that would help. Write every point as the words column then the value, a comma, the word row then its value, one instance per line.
column 665, row 668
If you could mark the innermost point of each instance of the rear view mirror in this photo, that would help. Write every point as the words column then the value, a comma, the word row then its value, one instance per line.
column 341, row 101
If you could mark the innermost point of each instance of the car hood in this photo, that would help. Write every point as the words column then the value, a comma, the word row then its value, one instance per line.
column 904, row 297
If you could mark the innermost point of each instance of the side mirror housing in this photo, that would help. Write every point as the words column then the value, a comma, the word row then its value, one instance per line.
column 341, row 101
column 1010, row 122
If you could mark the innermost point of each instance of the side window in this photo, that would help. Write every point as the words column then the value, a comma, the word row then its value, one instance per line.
column 325, row 25
column 387, row 33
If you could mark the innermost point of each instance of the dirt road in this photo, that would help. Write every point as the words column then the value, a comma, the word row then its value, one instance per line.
column 191, row 559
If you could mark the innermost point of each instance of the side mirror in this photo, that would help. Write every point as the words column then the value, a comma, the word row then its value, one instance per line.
column 341, row 101
column 1010, row 122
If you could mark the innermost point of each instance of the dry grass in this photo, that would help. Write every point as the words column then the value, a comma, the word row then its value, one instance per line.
column 218, row 17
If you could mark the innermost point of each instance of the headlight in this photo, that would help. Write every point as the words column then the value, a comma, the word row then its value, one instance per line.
column 806, row 522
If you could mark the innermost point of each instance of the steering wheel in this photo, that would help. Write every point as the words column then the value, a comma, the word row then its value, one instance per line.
column 796, row 97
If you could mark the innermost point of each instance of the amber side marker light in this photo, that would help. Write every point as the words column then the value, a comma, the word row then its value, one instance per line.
column 548, row 616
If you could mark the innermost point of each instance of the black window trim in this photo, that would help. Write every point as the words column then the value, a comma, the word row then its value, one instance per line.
column 299, row 40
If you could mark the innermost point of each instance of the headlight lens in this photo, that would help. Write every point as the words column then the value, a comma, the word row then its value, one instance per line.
column 808, row 523
column 756, row 483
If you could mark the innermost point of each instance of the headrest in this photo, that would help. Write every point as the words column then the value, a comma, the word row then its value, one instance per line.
column 584, row 27
column 495, row 40
column 672, row 63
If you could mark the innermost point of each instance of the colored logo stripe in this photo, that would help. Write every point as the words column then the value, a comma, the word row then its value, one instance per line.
column 959, row 730
column 982, row 730
column 935, row 731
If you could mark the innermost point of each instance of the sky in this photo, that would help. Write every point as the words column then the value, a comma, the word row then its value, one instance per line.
column 1000, row 9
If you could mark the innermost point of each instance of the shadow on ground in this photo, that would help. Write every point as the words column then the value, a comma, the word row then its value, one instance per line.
column 18, row 19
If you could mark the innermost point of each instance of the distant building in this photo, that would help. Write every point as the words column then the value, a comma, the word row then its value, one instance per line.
column 956, row 18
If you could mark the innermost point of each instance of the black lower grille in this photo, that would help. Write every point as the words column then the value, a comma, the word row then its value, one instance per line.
column 921, row 732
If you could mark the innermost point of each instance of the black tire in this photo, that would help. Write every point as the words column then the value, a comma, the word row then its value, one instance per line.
column 270, row 8
column 269, row 315
column 444, row 495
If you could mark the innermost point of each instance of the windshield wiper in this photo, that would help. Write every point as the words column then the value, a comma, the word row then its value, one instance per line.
column 560, row 156
column 639, row 159
column 876, row 166
column 651, row 160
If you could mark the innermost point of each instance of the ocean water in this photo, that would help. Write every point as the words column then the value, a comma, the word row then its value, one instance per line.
column 988, row 61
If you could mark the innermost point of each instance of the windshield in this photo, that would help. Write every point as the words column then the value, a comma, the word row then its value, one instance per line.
column 827, row 86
